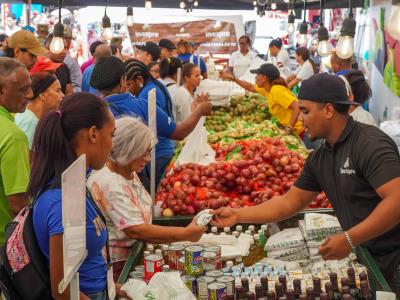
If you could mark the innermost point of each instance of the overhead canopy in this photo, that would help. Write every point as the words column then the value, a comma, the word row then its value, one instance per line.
column 203, row 4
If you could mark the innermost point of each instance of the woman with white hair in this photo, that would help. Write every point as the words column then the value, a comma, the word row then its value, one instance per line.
column 124, row 201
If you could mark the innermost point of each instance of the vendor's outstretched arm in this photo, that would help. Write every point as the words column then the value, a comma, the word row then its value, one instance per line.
column 276, row 209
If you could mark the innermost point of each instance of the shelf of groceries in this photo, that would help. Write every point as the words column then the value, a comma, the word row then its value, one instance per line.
column 254, row 262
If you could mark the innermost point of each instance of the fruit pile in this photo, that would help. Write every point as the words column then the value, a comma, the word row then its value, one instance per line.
column 245, row 173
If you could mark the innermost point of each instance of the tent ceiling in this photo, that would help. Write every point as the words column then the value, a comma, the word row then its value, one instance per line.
column 203, row 4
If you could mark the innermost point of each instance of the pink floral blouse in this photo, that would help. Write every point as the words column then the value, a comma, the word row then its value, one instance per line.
column 124, row 203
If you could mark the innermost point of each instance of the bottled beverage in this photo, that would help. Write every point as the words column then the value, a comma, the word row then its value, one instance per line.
column 354, row 291
column 229, row 264
column 222, row 233
column 259, row 292
column 248, row 260
column 236, row 234
column 214, row 230
column 248, row 232
column 317, row 287
column 271, row 295
column 344, row 282
column 164, row 249
column 310, row 293
column 363, row 276
column 365, row 292
column 346, row 297
column 335, row 286
column 230, row 297
column 297, row 288
column 264, row 284
column 158, row 252
column 251, row 228
column 238, row 260
column 282, row 280
column 329, row 291
column 145, row 253
column 290, row 294
column 150, row 248
column 279, row 290
column 239, row 228
column 259, row 250
column 303, row 297
column 227, row 230
column 245, row 284
column 240, row 293
column 264, row 228
column 250, row 296
column 323, row 296
column 346, row 290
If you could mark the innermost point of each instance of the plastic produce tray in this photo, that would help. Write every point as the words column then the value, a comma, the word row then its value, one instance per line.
column 375, row 276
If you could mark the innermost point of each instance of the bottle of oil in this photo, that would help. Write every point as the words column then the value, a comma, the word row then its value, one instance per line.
column 248, row 260
column 259, row 250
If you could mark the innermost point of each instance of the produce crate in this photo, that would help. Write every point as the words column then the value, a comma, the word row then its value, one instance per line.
column 375, row 276
column 132, row 261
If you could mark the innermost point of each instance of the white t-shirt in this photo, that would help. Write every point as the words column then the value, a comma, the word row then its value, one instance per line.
column 181, row 104
column 240, row 63
column 124, row 203
column 305, row 71
column 363, row 116
column 283, row 58
column 171, row 85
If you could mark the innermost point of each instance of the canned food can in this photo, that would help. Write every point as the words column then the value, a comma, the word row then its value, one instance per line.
column 204, row 217
column 190, row 282
column 175, row 252
column 153, row 264
column 202, row 287
column 136, row 275
column 194, row 260
column 209, row 261
column 229, row 281
column 215, row 273
column 216, row 291
column 217, row 250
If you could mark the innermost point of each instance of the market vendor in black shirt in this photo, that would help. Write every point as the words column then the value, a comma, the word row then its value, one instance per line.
column 358, row 167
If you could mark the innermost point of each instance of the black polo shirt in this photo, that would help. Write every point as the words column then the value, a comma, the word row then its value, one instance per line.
column 362, row 160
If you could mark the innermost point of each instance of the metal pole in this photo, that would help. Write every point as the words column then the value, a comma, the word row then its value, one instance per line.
column 28, row 12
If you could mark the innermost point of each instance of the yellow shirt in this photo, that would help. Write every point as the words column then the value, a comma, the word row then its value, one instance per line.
column 279, row 100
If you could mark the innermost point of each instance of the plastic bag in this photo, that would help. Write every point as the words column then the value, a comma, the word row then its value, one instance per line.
column 219, row 92
column 163, row 286
column 196, row 149
column 392, row 129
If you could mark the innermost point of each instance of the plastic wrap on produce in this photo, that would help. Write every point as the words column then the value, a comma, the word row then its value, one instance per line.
column 320, row 225
column 219, row 92
column 392, row 129
column 196, row 149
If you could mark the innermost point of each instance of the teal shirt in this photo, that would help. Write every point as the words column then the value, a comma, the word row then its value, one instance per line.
column 27, row 121
column 14, row 165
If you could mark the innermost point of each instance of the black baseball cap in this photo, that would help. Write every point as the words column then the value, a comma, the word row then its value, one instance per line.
column 268, row 70
column 152, row 49
column 166, row 43
column 324, row 88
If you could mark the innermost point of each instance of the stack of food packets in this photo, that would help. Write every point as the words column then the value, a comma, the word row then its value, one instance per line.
column 287, row 245
column 316, row 228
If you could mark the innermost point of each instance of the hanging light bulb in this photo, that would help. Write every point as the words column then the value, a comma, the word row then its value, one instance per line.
column 255, row 2
column 196, row 3
column 291, row 19
column 107, row 33
column 345, row 45
column 255, row 8
column 273, row 6
column 302, row 38
column 129, row 16
column 182, row 4
column 147, row 4
column 394, row 20
column 324, row 46
column 57, row 43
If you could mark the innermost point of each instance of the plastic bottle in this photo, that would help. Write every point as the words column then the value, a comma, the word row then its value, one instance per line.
column 150, row 248
column 259, row 252
column 354, row 291
column 259, row 292
column 248, row 260
column 158, row 252
column 239, row 228
column 164, row 249
column 236, row 234
column 297, row 288
column 365, row 292
column 214, row 230
column 317, row 287
column 248, row 232
column 251, row 228
column 227, row 230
